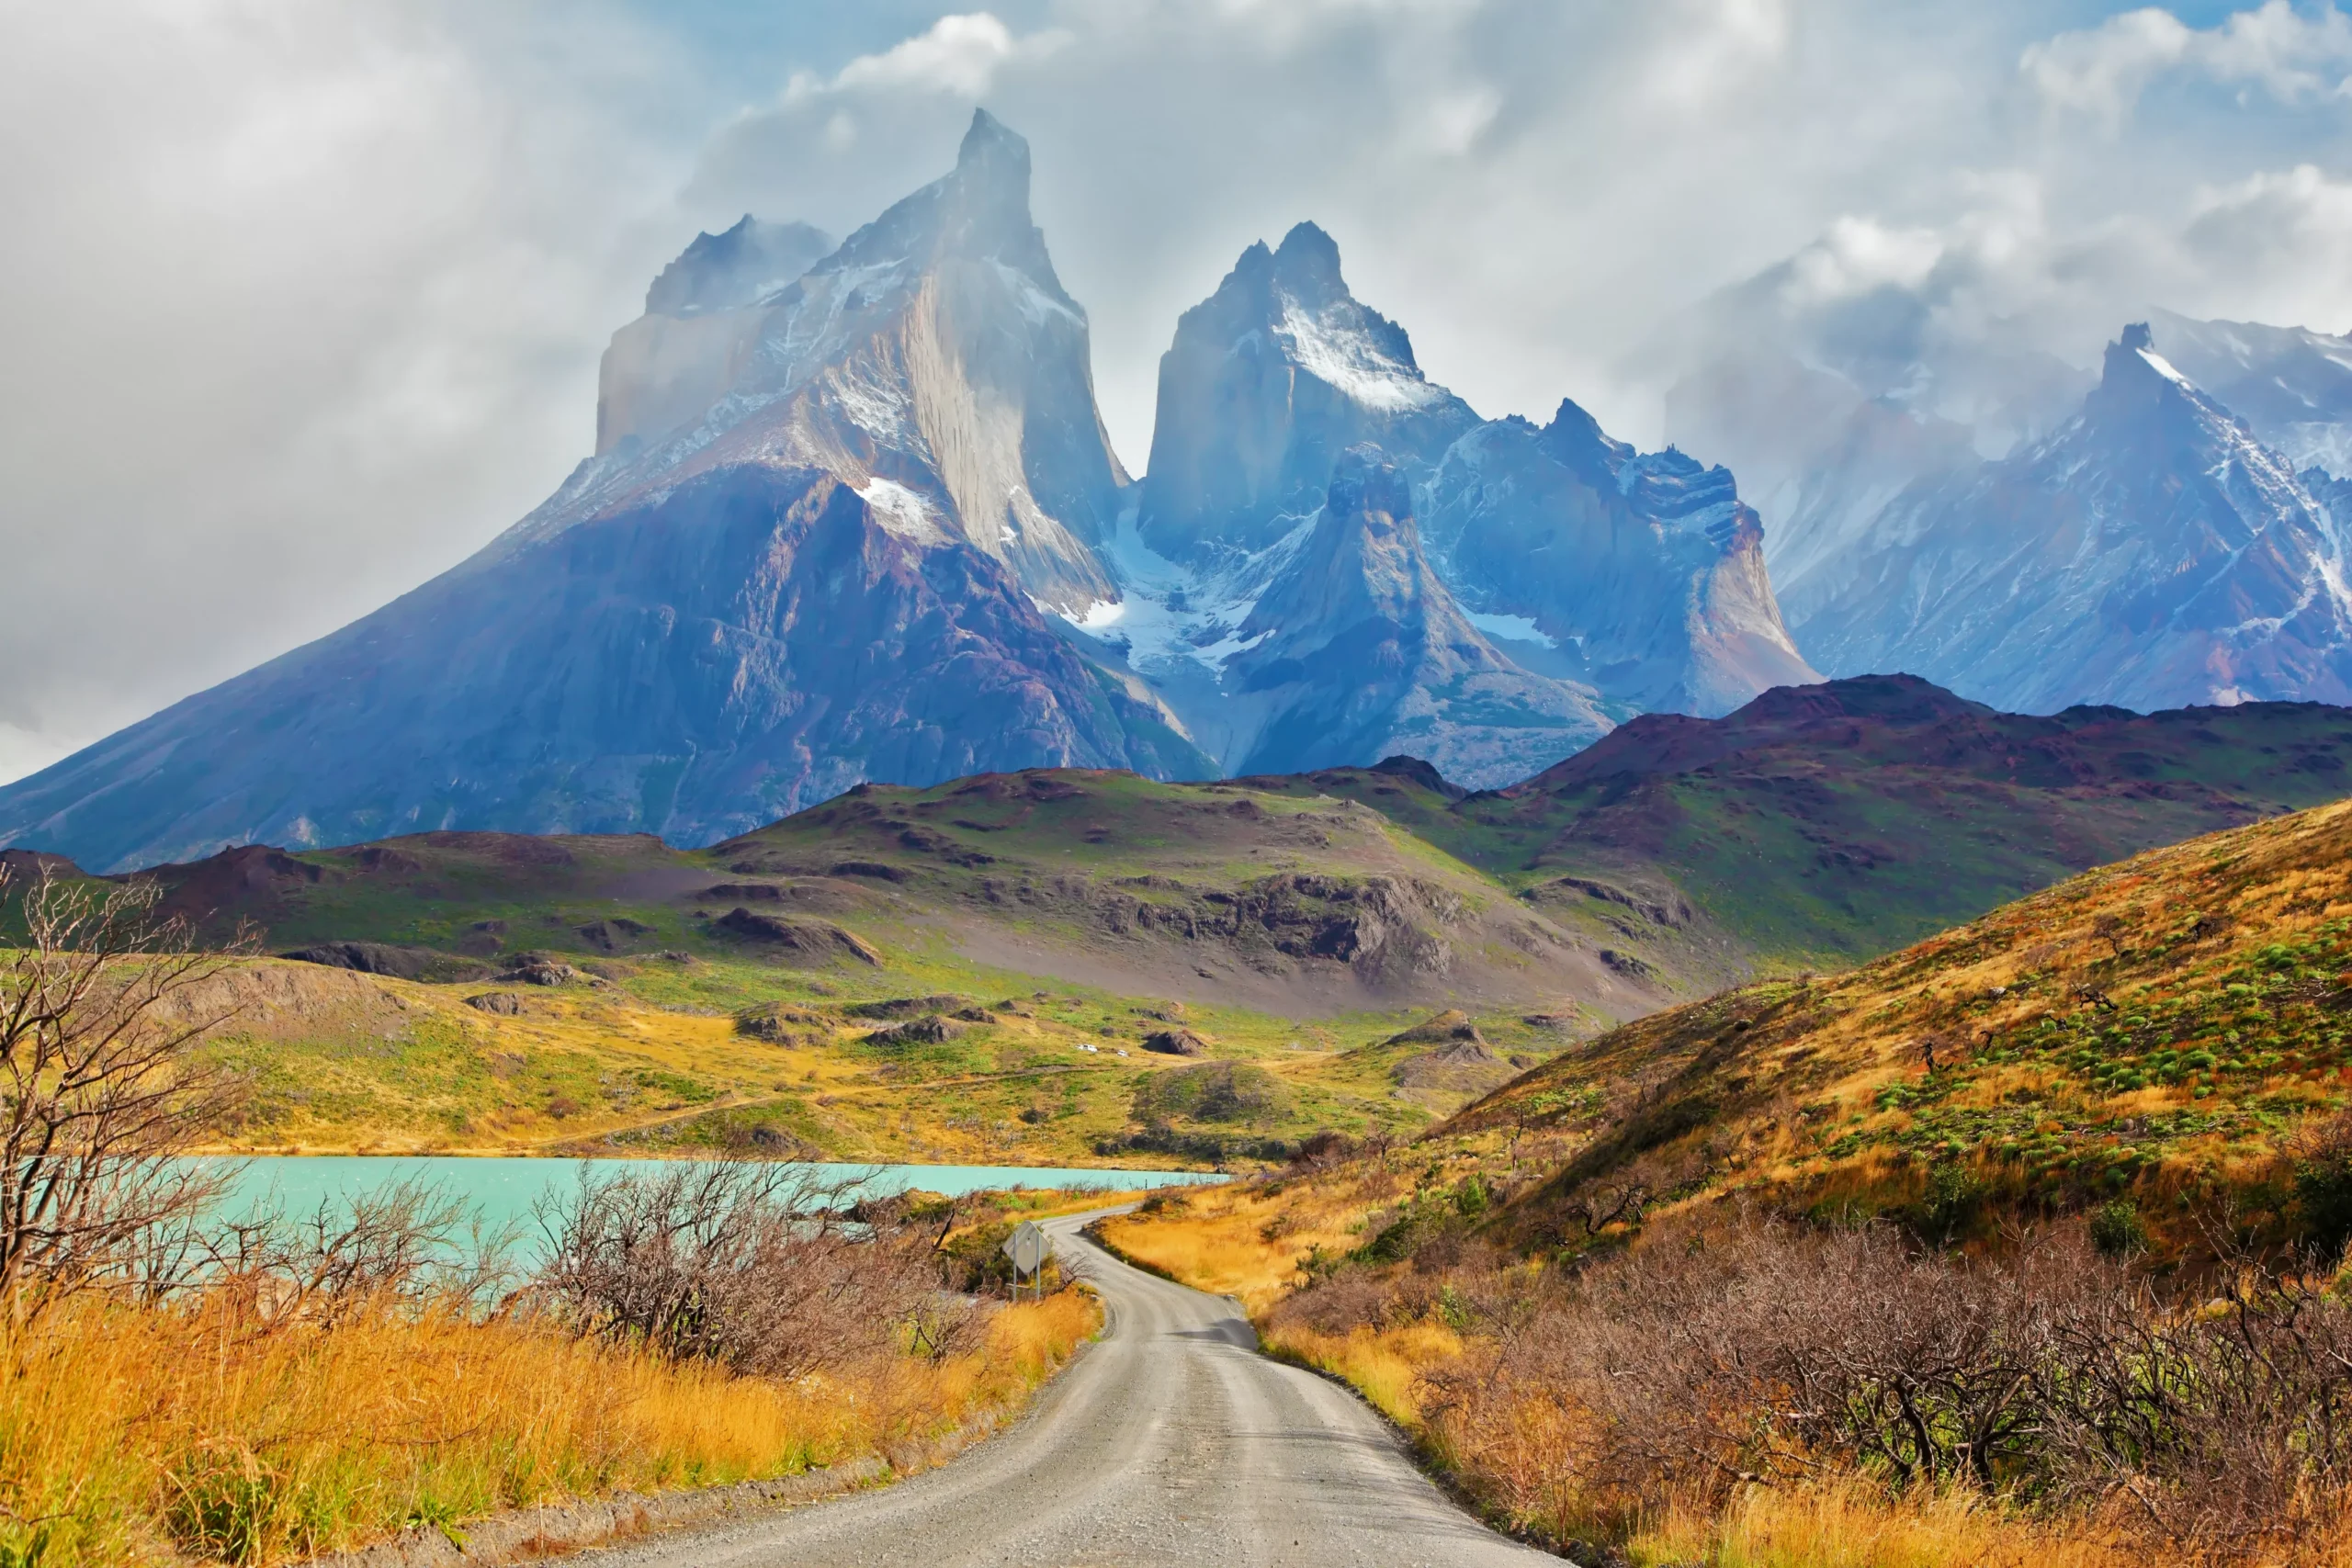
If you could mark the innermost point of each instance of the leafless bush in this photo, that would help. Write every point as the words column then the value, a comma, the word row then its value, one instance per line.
column 1700, row 1361
column 764, row 1267
column 409, row 1243
column 100, row 1090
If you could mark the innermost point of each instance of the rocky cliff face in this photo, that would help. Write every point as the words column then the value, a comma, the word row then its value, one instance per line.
column 830, row 574
column 702, row 319
column 1269, row 380
column 1640, row 578
column 1643, row 576
column 1355, row 649
column 934, row 362
column 2152, row 554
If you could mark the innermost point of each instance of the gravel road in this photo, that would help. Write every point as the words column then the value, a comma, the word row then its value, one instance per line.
column 1170, row 1442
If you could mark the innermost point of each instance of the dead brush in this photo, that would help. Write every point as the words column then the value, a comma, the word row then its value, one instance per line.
column 1763, row 1354
column 759, row 1268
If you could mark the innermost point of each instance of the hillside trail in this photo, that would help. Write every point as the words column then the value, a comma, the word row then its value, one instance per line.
column 1171, row 1440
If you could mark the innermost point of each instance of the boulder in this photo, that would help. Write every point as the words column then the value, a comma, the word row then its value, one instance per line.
column 932, row 1031
column 1176, row 1043
column 1439, row 1028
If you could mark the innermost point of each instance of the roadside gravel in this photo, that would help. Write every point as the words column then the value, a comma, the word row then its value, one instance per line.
column 1170, row 1442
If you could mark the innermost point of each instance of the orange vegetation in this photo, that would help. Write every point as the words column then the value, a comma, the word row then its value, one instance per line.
column 135, row 1435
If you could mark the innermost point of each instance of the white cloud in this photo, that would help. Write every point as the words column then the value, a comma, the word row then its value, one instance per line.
column 959, row 54
column 2277, row 247
column 1858, row 254
column 302, row 303
column 2101, row 71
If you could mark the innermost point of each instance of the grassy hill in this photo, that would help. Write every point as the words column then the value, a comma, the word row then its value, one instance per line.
column 497, row 992
column 1824, row 824
column 1305, row 923
column 2152, row 1034
column 2031, row 1148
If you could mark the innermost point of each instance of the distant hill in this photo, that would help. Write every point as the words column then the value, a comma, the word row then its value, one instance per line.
column 1824, row 824
column 1814, row 827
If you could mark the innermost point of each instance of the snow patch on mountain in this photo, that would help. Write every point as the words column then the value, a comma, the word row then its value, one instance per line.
column 1511, row 628
column 903, row 512
column 1171, row 617
column 1339, row 353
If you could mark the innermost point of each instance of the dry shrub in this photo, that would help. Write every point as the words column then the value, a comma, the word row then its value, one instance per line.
column 1699, row 1365
column 766, row 1268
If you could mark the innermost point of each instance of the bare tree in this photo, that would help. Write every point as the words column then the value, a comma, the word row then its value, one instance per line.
column 101, row 1092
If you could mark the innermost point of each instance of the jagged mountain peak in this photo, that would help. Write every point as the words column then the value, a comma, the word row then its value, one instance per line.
column 738, row 266
column 992, row 155
column 1307, row 266
column 2151, row 553
column 1357, row 648
column 1269, row 379
column 2135, row 380
column 978, row 211
column 1640, row 572
column 934, row 361
column 1574, row 440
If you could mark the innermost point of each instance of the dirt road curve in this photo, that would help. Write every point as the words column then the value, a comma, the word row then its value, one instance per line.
column 1172, row 1441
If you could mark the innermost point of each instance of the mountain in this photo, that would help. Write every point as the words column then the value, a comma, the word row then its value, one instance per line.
column 701, row 322
column 831, row 572
column 1591, row 580
column 2292, row 386
column 1357, row 651
column 1828, row 389
column 2152, row 553
column 1831, row 822
column 1268, row 381
column 1207, row 893
column 1641, row 575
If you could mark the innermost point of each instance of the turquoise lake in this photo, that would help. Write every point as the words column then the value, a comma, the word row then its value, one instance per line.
column 502, row 1191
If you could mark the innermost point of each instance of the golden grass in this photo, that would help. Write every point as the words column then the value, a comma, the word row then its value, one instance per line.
column 1850, row 1524
column 1384, row 1365
column 1242, row 1241
column 137, row 1435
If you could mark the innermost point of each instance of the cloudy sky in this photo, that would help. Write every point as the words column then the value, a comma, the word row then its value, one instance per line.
column 302, row 301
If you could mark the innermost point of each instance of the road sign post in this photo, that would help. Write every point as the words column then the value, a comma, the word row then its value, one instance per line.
column 1028, row 1247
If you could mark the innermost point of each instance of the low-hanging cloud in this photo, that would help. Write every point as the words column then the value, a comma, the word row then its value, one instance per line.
column 304, row 302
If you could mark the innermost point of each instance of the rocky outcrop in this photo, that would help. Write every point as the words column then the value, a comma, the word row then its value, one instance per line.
column 932, row 1031
column 1357, row 651
column 805, row 941
column 2151, row 554
column 1643, row 576
column 400, row 962
column 1451, row 1027
column 1176, row 1041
